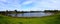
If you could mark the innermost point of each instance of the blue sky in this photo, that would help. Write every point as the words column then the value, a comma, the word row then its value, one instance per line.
column 29, row 5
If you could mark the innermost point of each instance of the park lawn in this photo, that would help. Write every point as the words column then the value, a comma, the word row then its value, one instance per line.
column 53, row 19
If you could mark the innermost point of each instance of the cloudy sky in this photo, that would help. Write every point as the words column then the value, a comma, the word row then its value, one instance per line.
column 29, row 5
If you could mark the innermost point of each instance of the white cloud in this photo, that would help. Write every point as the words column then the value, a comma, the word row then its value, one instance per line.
column 10, row 5
column 39, row 4
column 47, row 4
column 3, row 0
column 27, row 2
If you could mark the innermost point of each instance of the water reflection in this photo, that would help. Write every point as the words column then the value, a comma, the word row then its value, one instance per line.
column 30, row 14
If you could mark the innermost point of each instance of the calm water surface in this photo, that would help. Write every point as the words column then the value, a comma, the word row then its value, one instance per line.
column 31, row 14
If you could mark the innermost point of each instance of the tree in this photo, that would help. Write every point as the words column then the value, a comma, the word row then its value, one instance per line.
column 16, row 13
column 6, row 13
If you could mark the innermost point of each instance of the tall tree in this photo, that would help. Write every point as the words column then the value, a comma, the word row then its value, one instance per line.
column 15, row 13
column 6, row 13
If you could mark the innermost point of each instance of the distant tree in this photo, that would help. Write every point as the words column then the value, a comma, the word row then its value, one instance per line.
column 46, row 10
column 6, row 13
column 56, row 10
column 16, row 13
column 22, row 13
column 51, row 11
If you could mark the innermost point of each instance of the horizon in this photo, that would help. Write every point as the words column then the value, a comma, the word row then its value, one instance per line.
column 29, row 5
column 19, row 10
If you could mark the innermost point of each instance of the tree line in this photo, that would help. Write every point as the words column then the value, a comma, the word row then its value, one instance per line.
column 51, row 10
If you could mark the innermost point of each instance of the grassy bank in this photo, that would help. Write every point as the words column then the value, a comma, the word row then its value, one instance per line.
column 53, row 19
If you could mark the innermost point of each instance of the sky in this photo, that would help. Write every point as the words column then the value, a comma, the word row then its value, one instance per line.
column 29, row 5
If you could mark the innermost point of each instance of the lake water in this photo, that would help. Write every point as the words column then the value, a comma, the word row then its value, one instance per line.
column 40, row 14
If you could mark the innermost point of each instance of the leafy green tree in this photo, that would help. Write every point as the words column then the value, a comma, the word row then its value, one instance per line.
column 16, row 13
column 6, row 13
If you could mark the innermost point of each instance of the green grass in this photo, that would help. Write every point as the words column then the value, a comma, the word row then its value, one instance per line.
column 53, row 19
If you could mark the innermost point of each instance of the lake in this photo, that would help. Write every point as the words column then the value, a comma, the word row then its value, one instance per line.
column 39, row 14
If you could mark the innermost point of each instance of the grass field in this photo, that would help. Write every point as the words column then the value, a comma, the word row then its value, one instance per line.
column 53, row 19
